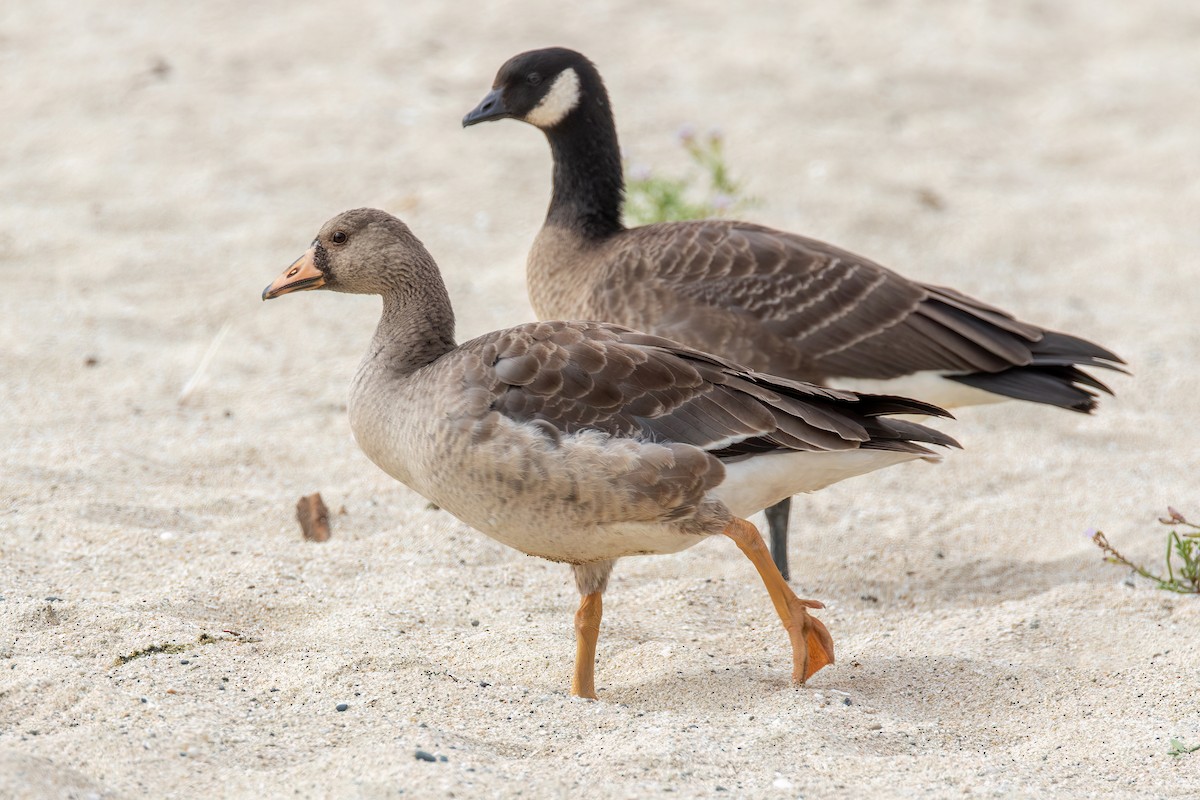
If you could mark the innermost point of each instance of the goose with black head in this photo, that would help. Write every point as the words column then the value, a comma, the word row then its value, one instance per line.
column 770, row 300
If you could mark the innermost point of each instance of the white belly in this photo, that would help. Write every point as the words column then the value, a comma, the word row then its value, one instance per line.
column 762, row 481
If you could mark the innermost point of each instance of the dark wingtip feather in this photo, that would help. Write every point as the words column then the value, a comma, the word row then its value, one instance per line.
column 884, row 431
column 901, row 431
column 1077, row 350
column 1060, row 386
column 884, row 404
column 1054, row 376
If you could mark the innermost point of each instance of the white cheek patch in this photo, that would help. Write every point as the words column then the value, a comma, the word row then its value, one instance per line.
column 558, row 102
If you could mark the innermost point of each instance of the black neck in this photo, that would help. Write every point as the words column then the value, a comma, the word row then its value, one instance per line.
column 589, row 188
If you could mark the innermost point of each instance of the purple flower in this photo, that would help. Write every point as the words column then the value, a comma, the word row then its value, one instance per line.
column 686, row 133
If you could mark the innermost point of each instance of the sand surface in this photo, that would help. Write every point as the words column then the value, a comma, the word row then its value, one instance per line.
column 162, row 162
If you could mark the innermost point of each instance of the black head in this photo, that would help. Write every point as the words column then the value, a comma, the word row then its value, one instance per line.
column 541, row 87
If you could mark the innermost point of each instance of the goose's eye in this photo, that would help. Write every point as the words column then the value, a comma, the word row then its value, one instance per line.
column 533, row 79
column 339, row 237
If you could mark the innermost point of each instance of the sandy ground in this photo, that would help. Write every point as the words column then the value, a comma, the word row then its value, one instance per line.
column 161, row 165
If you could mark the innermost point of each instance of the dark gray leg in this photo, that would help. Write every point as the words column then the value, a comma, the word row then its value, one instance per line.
column 777, row 521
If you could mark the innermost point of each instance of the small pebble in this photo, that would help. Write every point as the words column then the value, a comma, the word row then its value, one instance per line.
column 443, row 759
column 184, row 661
column 342, row 706
column 421, row 755
column 474, row 623
column 845, row 701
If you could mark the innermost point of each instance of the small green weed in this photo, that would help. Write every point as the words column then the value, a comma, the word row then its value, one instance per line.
column 1184, row 546
column 708, row 190
column 1178, row 748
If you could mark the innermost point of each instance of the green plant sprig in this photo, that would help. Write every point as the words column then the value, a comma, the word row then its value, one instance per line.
column 1184, row 546
column 1178, row 748
column 651, row 198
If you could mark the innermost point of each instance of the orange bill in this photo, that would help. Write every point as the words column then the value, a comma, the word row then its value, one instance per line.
column 302, row 274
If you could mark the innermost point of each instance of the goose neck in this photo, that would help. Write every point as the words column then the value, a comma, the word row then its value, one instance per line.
column 589, row 187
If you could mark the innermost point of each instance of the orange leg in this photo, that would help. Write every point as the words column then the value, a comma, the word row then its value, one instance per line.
column 812, row 646
column 587, row 631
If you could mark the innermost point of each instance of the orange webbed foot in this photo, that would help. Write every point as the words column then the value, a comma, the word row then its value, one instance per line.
column 812, row 646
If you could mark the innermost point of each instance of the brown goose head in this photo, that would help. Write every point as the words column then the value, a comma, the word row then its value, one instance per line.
column 364, row 251
column 541, row 87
